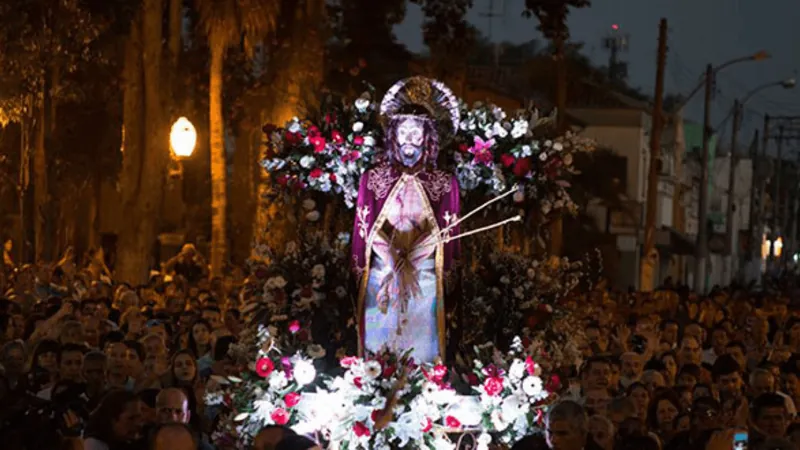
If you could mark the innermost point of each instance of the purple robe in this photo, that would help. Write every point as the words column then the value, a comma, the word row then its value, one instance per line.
column 441, row 200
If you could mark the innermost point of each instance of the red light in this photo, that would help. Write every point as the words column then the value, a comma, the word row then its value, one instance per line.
column 615, row 27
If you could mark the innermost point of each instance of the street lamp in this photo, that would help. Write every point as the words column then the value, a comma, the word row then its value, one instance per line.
column 702, row 238
column 738, row 106
column 183, row 138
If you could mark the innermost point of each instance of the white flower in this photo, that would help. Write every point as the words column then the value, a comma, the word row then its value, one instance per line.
column 372, row 369
column 497, row 421
column 316, row 351
column 519, row 129
column 307, row 161
column 318, row 271
column 498, row 130
column 294, row 125
column 369, row 141
column 532, row 387
column 558, row 146
column 291, row 247
column 513, row 407
column 277, row 380
column 304, row 372
column 517, row 370
column 362, row 104
column 442, row 443
column 484, row 440
column 526, row 150
column 358, row 126
column 543, row 156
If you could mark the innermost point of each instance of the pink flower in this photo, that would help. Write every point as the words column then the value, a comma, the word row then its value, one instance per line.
column 318, row 142
column 530, row 365
column 315, row 173
column 493, row 386
column 358, row 140
column 357, row 382
column 452, row 422
column 439, row 373
column 482, row 150
column 264, row 367
column 291, row 399
column 360, row 430
column 348, row 361
column 507, row 160
column 294, row 326
column 280, row 416
column 427, row 425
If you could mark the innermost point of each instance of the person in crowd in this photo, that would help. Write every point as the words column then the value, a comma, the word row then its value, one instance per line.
column 116, row 423
column 173, row 436
column 269, row 436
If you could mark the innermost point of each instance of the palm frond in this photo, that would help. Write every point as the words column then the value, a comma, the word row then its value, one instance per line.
column 234, row 20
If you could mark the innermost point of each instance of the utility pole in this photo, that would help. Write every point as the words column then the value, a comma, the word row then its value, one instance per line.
column 649, row 253
column 762, row 165
column 729, row 228
column 490, row 15
column 702, row 226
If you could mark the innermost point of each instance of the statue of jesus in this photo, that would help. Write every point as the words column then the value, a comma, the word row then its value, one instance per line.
column 406, row 209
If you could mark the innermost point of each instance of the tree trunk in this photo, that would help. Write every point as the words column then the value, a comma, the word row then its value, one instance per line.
column 143, row 180
column 218, row 166
column 175, row 29
column 242, row 199
column 40, row 211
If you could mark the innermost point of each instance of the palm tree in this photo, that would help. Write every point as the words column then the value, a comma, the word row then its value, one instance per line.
column 226, row 22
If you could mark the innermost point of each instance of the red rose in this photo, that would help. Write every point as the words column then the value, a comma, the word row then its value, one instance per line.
column 464, row 148
column 358, row 140
column 452, row 422
column 360, row 430
column 484, row 157
column 313, row 131
column 264, row 367
column 280, row 416
column 493, row 386
column 294, row 326
column 522, row 167
column 293, row 138
column 291, row 399
column 357, row 382
column 282, row 179
column 507, row 160
column 315, row 173
column 472, row 379
column 318, row 142
column 332, row 177
column 530, row 365
column 427, row 425
column 337, row 137
column 388, row 371
column 439, row 373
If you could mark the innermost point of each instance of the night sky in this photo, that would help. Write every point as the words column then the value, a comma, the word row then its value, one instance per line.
column 701, row 32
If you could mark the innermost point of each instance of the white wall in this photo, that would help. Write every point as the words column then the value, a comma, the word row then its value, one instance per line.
column 630, row 142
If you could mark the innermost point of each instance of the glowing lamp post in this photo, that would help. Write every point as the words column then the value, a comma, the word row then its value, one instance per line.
column 183, row 138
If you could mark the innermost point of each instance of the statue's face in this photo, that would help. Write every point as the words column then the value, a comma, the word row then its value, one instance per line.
column 410, row 138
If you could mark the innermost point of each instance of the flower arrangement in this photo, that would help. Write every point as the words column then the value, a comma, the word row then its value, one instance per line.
column 492, row 151
column 526, row 290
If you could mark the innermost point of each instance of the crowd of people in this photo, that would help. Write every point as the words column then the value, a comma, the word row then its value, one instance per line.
column 88, row 363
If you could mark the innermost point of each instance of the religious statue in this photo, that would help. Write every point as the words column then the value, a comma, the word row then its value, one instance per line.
column 406, row 216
